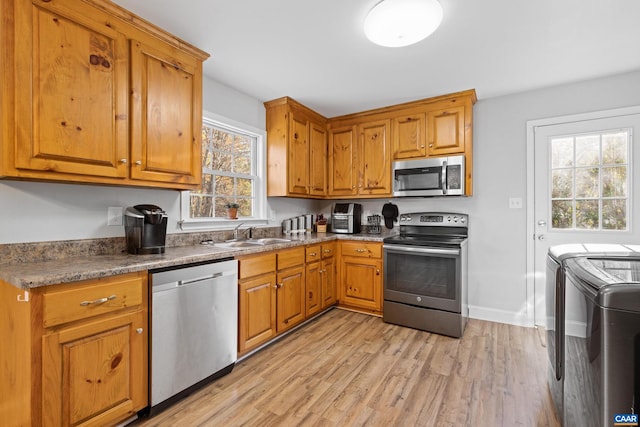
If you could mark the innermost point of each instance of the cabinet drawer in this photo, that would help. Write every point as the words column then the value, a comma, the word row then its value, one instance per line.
column 66, row 303
column 290, row 258
column 313, row 253
column 256, row 265
column 328, row 250
column 362, row 249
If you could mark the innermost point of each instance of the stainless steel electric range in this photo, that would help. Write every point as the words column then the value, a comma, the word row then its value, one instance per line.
column 425, row 273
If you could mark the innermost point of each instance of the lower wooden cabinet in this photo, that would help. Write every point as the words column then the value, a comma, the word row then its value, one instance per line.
column 257, row 311
column 361, row 276
column 272, row 290
column 83, row 349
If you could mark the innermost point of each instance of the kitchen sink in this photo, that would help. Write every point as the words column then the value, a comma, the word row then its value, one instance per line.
column 251, row 243
column 271, row 240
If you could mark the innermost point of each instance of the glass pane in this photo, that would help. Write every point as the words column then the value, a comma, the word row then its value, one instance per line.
column 245, row 208
column 614, row 181
column 614, row 214
column 242, row 145
column 562, row 183
column 207, row 185
column 588, row 150
column 244, row 187
column 562, row 214
column 221, row 210
column 614, row 148
column 587, row 182
column 222, row 161
column 243, row 165
column 587, row 214
column 207, row 157
column 207, row 135
column 224, row 186
column 561, row 152
column 201, row 206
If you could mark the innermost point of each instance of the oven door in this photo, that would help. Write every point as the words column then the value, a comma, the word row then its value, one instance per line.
column 423, row 276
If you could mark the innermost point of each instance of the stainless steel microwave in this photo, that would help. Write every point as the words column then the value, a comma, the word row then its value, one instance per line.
column 437, row 176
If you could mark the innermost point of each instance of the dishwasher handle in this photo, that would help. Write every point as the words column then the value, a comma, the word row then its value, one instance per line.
column 200, row 279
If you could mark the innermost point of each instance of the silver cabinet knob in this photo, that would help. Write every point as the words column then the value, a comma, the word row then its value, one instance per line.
column 123, row 161
column 139, row 331
column 138, row 162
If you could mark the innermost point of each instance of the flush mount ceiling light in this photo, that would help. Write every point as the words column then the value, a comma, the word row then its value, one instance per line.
column 397, row 23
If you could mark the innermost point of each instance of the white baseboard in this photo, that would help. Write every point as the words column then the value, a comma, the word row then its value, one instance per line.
column 500, row 316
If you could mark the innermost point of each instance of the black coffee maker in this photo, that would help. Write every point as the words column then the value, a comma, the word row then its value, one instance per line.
column 145, row 227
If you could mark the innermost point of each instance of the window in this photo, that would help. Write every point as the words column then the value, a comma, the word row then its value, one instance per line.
column 232, row 172
column 590, row 181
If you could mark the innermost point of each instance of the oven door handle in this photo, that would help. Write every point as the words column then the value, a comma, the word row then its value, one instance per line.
column 422, row 250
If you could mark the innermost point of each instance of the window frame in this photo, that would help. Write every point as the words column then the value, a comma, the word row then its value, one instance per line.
column 260, row 185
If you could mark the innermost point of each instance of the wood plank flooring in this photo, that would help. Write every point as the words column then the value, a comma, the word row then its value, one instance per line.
column 351, row 369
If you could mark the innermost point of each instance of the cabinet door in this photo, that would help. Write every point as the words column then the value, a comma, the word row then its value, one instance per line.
column 329, row 296
column 298, row 154
column 95, row 372
column 313, row 290
column 375, row 158
column 71, row 92
column 317, row 159
column 446, row 131
column 257, row 313
column 342, row 162
column 409, row 136
column 362, row 283
column 291, row 301
column 166, row 128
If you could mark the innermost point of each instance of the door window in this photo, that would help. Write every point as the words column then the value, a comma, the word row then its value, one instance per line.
column 589, row 180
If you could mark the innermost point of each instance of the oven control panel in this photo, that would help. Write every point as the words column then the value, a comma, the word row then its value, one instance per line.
column 434, row 219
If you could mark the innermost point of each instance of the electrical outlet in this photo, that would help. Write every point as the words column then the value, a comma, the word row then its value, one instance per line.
column 114, row 215
column 515, row 203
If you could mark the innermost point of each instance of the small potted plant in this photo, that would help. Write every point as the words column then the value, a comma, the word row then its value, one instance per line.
column 232, row 210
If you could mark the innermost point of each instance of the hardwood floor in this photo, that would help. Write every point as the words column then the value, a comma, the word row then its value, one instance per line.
column 347, row 368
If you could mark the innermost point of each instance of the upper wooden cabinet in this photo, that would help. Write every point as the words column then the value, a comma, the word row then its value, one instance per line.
column 91, row 93
column 409, row 136
column 360, row 159
column 361, row 146
column 296, row 150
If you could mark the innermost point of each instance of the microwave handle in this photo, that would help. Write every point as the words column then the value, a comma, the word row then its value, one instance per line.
column 443, row 178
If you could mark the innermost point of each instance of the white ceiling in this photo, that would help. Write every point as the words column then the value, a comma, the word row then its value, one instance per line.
column 316, row 52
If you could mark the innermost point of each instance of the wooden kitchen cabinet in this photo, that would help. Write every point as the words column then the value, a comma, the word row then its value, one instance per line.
column 313, row 280
column 361, row 276
column 446, row 131
column 374, row 160
column 409, row 136
column 360, row 159
column 343, row 161
column 296, row 150
column 271, row 296
column 87, row 355
column 94, row 94
column 328, row 275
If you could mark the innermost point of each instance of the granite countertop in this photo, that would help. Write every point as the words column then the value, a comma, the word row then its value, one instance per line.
column 28, row 275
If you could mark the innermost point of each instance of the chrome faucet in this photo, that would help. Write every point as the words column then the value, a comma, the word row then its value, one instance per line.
column 235, row 231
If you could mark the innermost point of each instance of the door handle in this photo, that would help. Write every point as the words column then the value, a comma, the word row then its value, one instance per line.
column 542, row 223
column 540, row 236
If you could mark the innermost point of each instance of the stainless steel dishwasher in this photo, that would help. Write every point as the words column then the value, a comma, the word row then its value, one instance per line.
column 194, row 324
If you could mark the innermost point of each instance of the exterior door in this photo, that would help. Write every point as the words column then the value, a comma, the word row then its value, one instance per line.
column 585, row 186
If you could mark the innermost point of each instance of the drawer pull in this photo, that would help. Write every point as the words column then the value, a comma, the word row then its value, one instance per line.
column 361, row 250
column 327, row 251
column 98, row 301
column 313, row 254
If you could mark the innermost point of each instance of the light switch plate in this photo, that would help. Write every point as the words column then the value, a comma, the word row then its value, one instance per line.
column 515, row 203
column 114, row 215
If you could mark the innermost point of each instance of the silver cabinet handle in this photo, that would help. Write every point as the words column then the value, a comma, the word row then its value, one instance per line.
column 138, row 162
column 361, row 250
column 139, row 331
column 124, row 161
column 98, row 301
column 312, row 254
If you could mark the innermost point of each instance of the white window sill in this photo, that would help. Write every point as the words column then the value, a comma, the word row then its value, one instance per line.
column 218, row 223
